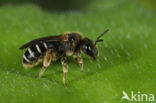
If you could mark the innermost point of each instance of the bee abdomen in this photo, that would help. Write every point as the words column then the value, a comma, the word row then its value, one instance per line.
column 36, row 52
column 33, row 54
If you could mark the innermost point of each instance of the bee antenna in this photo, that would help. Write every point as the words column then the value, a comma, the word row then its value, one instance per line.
column 98, row 38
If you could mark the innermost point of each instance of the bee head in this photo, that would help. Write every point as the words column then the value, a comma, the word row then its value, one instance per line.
column 88, row 47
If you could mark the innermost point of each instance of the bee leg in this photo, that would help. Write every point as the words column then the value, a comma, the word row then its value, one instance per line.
column 65, row 69
column 46, row 62
column 80, row 61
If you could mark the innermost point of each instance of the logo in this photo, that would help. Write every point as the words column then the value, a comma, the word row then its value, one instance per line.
column 137, row 96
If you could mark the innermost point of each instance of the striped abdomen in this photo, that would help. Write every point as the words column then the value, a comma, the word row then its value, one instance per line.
column 36, row 52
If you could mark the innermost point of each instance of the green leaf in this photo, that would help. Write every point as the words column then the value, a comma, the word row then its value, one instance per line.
column 126, row 60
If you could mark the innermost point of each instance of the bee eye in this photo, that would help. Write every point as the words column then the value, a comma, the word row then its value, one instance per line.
column 84, row 47
column 89, row 48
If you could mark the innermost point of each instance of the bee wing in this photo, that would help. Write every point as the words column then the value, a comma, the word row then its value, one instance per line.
column 44, row 39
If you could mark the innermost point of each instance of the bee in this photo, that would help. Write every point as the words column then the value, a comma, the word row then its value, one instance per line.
column 52, row 48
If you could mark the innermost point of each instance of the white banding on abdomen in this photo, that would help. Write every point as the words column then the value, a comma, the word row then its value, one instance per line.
column 45, row 45
column 38, row 49
column 25, row 58
column 31, row 53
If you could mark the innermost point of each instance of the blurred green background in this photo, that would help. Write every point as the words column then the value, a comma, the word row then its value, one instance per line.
column 126, row 61
column 54, row 5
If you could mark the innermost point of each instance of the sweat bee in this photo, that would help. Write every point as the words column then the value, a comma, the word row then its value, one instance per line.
column 51, row 48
